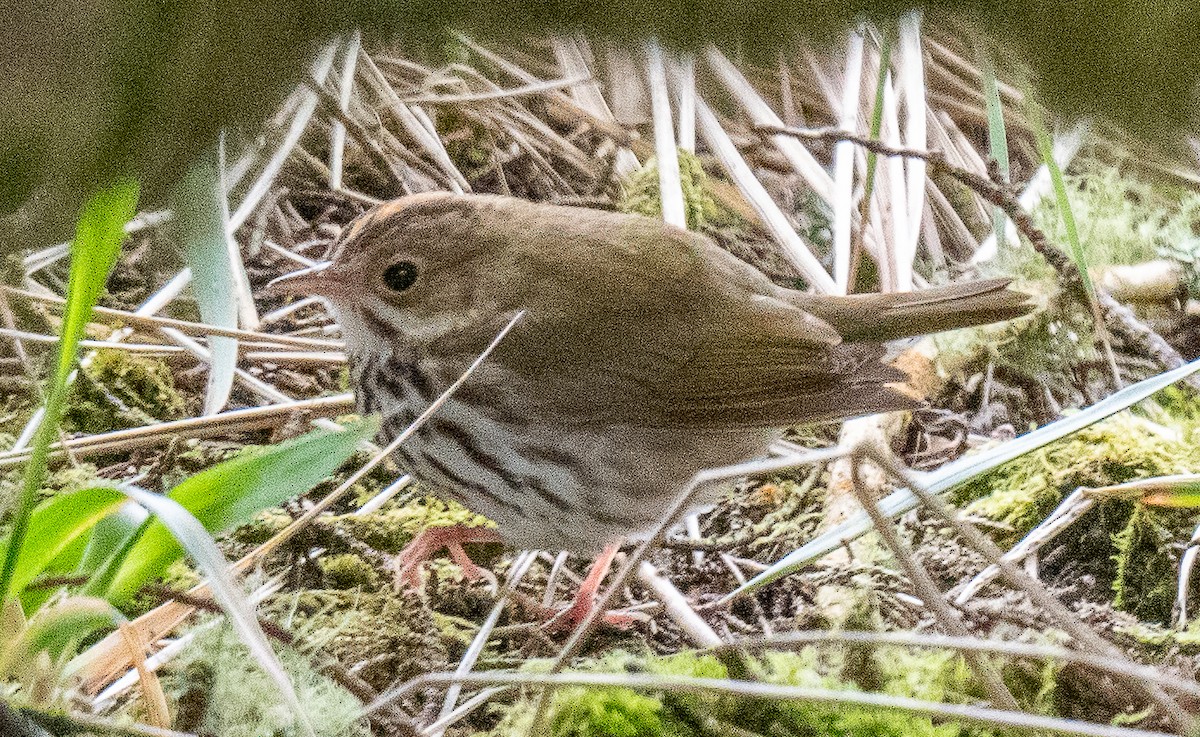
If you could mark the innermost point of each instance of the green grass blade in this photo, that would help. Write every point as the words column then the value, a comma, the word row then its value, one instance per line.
column 1063, row 203
column 54, row 525
column 201, row 220
column 885, row 63
column 997, row 138
column 98, row 237
column 192, row 536
column 232, row 492
column 965, row 469
column 56, row 629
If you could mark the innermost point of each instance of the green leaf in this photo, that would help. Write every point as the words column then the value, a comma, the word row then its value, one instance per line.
column 232, row 492
column 190, row 534
column 111, row 534
column 55, row 629
column 55, row 524
column 98, row 237
column 202, row 218
column 997, row 137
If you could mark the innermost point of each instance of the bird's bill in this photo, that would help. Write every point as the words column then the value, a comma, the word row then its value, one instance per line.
column 316, row 279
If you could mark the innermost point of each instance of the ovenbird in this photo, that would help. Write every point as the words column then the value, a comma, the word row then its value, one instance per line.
column 646, row 353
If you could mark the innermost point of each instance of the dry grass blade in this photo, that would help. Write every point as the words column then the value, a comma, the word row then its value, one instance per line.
column 844, row 158
column 20, row 335
column 337, row 134
column 948, row 618
column 427, row 140
column 574, row 63
column 536, row 88
column 915, row 127
column 1070, row 509
column 239, row 420
column 794, row 248
column 686, row 90
column 145, row 317
column 520, row 567
column 761, row 113
column 677, row 607
column 152, row 691
column 670, row 189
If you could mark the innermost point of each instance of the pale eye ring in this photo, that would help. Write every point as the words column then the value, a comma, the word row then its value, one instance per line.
column 400, row 276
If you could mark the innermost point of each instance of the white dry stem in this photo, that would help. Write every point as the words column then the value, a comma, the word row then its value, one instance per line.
column 760, row 112
column 337, row 129
column 669, row 186
column 569, row 51
column 239, row 420
column 794, row 248
column 915, row 126
column 843, row 163
column 1074, row 506
column 897, row 253
column 468, row 98
column 686, row 93
column 676, row 606
column 144, row 317
column 1187, row 563
column 520, row 566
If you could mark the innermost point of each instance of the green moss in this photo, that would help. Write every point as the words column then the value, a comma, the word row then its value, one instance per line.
column 618, row 711
column 120, row 389
column 640, row 193
column 391, row 529
column 265, row 525
column 179, row 576
column 1123, row 220
column 604, row 712
column 393, row 635
column 1145, row 585
column 348, row 571
column 468, row 142
column 1165, row 639
column 239, row 700
column 1022, row 493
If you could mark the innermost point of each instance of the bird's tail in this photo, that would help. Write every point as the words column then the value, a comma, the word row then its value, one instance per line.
column 884, row 317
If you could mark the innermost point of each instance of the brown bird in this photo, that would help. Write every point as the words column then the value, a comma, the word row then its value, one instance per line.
column 646, row 353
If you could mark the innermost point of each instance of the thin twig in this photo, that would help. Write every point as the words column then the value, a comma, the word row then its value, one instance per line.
column 949, row 619
column 758, row 690
column 1084, row 636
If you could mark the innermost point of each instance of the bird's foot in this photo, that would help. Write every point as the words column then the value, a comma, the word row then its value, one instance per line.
column 585, row 601
column 432, row 539
column 570, row 617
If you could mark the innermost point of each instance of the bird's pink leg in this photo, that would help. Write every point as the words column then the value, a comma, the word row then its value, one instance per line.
column 432, row 539
column 585, row 600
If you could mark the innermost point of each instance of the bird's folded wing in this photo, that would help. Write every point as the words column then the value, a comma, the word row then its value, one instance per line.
column 773, row 370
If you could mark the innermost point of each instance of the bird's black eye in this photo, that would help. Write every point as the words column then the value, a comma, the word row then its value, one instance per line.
column 400, row 276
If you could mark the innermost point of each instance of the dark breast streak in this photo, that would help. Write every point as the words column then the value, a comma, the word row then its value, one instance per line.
column 399, row 389
column 536, row 484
